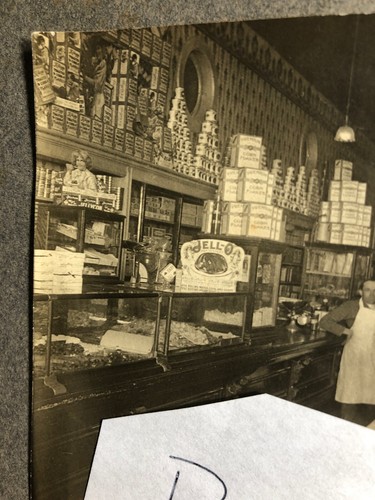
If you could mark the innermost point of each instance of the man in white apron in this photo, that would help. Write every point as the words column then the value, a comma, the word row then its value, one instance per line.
column 356, row 320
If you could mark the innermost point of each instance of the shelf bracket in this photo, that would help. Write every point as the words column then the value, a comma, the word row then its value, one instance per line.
column 52, row 382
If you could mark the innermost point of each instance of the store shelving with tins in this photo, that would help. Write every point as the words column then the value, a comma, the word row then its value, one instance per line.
column 334, row 272
column 131, row 173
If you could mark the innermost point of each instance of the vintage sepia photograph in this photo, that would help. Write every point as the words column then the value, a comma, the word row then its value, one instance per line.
column 203, row 226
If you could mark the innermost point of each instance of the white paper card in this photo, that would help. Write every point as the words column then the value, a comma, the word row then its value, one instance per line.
column 259, row 447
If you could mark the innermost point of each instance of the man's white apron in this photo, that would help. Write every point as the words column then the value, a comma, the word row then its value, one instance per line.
column 356, row 380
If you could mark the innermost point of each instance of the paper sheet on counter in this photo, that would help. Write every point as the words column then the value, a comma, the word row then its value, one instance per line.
column 259, row 447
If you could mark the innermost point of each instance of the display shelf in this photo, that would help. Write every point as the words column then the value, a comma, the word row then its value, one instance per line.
column 328, row 274
column 54, row 146
column 322, row 283
column 77, row 230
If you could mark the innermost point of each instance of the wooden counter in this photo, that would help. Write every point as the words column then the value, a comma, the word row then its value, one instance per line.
column 301, row 367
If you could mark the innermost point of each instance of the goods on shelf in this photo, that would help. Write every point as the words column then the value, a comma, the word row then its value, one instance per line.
column 50, row 186
column 246, row 151
column 345, row 219
column 58, row 271
column 105, row 88
column 207, row 159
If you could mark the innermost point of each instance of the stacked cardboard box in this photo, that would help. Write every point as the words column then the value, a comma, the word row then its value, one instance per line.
column 207, row 160
column 246, row 193
column 344, row 218
column 58, row 271
column 160, row 208
column 191, row 215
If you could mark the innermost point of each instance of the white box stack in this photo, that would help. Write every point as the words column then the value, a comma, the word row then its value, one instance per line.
column 345, row 219
column 67, row 272
column 247, row 193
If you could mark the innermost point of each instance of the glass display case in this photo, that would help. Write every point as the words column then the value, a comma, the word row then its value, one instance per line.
column 328, row 273
column 191, row 321
column 95, row 233
column 291, row 273
column 75, row 332
column 334, row 272
column 266, row 291
column 159, row 215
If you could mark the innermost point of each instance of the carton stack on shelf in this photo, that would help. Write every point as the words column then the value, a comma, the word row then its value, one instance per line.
column 313, row 194
column 137, row 65
column 246, row 193
column 181, row 135
column 58, row 271
column 345, row 219
column 207, row 160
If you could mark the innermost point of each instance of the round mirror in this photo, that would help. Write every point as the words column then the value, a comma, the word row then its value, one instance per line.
column 196, row 75
column 191, row 84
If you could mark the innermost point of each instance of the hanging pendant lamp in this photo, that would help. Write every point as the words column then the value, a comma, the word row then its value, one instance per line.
column 346, row 133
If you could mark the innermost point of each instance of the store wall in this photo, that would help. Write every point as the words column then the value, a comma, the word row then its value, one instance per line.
column 257, row 92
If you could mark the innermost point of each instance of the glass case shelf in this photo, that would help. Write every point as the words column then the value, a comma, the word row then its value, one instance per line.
column 96, row 234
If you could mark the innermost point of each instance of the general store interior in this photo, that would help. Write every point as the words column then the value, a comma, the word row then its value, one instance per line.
column 225, row 222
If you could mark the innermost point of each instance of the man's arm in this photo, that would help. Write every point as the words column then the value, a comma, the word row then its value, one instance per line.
column 331, row 321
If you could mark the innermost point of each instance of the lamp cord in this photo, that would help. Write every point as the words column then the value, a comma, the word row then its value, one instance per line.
column 352, row 69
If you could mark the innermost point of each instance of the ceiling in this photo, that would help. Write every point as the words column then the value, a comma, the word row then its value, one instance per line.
column 321, row 49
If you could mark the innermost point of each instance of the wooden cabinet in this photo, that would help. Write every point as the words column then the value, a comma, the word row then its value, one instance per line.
column 334, row 272
column 159, row 214
column 96, row 234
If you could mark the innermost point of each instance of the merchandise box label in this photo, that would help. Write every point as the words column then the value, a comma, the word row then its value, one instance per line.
column 74, row 60
column 58, row 74
column 119, row 139
column 156, row 49
column 245, row 157
column 361, row 193
column 234, row 207
column 108, row 133
column 343, row 170
column 349, row 191
column 122, row 89
column 132, row 91
column 164, row 80
column 97, row 131
column 129, row 143
column 138, row 147
column 211, row 264
column 84, row 127
column 57, row 118
column 349, row 213
column 250, row 141
column 71, row 123
column 253, row 186
column 130, row 116
column 146, row 42
column 107, row 115
column 232, row 224
column 107, row 91
column 135, row 41
column 124, row 36
column 166, row 54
